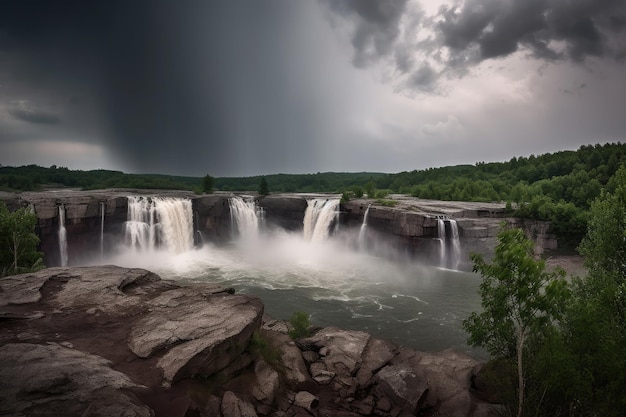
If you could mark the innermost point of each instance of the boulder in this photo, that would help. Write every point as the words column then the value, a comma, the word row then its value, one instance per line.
column 343, row 349
column 403, row 386
column 54, row 380
column 377, row 354
column 197, row 336
column 145, row 329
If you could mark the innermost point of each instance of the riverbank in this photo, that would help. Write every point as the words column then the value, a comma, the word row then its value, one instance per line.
column 117, row 341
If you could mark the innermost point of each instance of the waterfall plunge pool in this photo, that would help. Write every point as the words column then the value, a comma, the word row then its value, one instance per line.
column 333, row 278
column 407, row 303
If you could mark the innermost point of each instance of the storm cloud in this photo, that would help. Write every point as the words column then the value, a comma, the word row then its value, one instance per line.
column 463, row 34
column 256, row 87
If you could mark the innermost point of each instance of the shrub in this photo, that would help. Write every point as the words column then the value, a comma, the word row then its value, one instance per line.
column 300, row 325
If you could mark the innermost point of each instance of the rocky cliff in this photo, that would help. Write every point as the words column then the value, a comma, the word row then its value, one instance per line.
column 412, row 224
column 406, row 225
column 111, row 341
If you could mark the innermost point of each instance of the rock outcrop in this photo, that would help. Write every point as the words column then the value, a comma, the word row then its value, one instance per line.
column 111, row 341
column 132, row 328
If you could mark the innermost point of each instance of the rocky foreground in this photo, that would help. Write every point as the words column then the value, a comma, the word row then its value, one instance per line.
column 111, row 341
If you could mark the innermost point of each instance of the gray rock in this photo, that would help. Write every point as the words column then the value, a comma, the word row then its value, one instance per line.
column 22, row 289
column 377, row 354
column 306, row 400
column 233, row 406
column 448, row 374
column 295, row 372
column 39, row 379
column 267, row 383
column 344, row 349
column 200, row 338
column 402, row 385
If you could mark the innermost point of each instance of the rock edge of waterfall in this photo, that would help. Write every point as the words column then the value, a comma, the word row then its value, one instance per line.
column 112, row 341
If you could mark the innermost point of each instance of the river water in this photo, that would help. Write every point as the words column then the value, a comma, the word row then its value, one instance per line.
column 338, row 285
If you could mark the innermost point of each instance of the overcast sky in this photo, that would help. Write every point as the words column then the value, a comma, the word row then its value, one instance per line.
column 238, row 88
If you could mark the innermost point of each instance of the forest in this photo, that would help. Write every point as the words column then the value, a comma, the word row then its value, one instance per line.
column 558, row 187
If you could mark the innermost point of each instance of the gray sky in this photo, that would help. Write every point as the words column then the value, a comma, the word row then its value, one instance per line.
column 238, row 88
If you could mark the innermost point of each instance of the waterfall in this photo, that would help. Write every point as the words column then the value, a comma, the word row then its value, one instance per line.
column 456, row 243
column 441, row 233
column 363, row 227
column 319, row 215
column 62, row 236
column 159, row 222
column 102, row 210
column 243, row 217
column 449, row 249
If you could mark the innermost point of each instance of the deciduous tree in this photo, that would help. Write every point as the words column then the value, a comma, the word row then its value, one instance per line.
column 18, row 241
column 519, row 300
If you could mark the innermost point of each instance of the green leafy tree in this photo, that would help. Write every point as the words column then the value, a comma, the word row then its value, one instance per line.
column 18, row 242
column 263, row 188
column 208, row 184
column 519, row 299
column 604, row 246
column 596, row 327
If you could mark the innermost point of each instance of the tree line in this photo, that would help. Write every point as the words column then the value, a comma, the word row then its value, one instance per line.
column 557, row 346
column 558, row 187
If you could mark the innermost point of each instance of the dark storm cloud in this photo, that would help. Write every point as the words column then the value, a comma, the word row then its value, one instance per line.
column 376, row 27
column 499, row 28
column 26, row 112
column 181, row 87
column 477, row 30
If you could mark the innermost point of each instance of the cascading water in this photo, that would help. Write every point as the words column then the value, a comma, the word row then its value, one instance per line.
column 319, row 215
column 243, row 217
column 363, row 227
column 449, row 258
column 159, row 222
column 456, row 243
column 441, row 233
column 62, row 236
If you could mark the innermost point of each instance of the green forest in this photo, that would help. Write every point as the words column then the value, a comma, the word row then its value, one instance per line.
column 558, row 187
column 557, row 345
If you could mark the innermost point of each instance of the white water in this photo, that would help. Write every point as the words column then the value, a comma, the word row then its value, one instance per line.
column 319, row 214
column 243, row 217
column 456, row 244
column 441, row 233
column 159, row 222
column 62, row 236
column 363, row 227
column 405, row 302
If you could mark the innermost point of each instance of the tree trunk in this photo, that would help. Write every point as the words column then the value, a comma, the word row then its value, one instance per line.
column 521, row 334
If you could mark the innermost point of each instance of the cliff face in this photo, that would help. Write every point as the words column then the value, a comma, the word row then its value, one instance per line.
column 410, row 227
column 413, row 224
column 84, row 215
